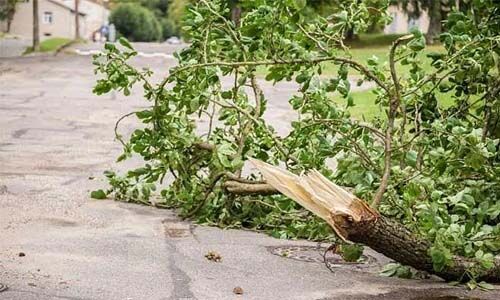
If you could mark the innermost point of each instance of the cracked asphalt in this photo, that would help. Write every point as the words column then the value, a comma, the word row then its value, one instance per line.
column 56, row 139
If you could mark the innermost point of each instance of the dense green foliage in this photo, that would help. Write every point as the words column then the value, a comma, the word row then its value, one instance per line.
column 435, row 170
column 7, row 11
column 7, row 8
column 136, row 23
column 160, row 10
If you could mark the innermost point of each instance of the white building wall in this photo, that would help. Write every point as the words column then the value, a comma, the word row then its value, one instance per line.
column 63, row 19
column 401, row 23
column 96, row 15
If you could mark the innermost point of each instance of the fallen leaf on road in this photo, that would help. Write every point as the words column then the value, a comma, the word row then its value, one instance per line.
column 238, row 291
column 213, row 256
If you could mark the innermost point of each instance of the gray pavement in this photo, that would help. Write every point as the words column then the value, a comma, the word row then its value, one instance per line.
column 55, row 136
column 13, row 46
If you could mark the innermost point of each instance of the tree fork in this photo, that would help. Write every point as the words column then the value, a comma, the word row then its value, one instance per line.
column 353, row 220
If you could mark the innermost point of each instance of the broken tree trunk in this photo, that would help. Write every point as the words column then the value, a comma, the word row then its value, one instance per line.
column 353, row 220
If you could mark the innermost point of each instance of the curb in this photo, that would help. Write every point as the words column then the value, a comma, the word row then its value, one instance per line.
column 141, row 54
column 65, row 46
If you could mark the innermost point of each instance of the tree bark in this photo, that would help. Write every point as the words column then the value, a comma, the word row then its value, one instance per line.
column 236, row 12
column 36, row 27
column 395, row 241
column 350, row 36
column 77, row 19
column 353, row 220
column 435, row 18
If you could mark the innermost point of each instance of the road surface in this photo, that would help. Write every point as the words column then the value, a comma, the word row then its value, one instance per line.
column 56, row 139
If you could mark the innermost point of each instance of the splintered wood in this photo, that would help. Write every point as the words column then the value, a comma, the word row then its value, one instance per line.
column 319, row 195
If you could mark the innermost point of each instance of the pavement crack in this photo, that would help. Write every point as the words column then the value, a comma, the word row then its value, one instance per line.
column 180, row 280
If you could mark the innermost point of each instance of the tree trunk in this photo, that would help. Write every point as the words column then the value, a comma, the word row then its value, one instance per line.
column 10, row 17
column 353, row 220
column 36, row 27
column 397, row 242
column 77, row 19
column 435, row 18
column 235, row 12
column 350, row 35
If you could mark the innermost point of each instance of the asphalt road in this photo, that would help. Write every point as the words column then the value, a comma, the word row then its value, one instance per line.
column 56, row 139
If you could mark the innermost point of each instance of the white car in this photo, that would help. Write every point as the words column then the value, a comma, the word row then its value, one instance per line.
column 173, row 40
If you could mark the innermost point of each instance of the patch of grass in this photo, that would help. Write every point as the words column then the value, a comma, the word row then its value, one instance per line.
column 50, row 45
column 53, row 44
column 381, row 53
column 365, row 107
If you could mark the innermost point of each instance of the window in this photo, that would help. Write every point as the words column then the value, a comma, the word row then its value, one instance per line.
column 48, row 18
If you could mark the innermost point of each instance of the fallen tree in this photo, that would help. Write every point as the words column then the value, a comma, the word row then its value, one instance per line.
column 355, row 221
column 428, row 162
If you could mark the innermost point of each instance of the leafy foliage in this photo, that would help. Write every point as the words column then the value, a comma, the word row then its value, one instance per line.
column 7, row 8
column 437, row 171
column 7, row 11
column 397, row 270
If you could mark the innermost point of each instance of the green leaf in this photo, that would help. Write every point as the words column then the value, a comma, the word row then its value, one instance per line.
column 110, row 47
column 485, row 286
column 227, row 95
column 98, row 194
column 350, row 100
column 390, row 269
column 417, row 44
column 441, row 257
column 411, row 158
column 125, row 43
column 299, row 4
column 351, row 253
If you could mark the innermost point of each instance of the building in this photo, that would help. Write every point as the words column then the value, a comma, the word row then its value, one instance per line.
column 57, row 18
column 402, row 23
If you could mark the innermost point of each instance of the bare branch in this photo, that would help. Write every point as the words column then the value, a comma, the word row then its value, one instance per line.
column 240, row 188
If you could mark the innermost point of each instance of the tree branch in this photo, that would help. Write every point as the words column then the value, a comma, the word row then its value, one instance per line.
column 239, row 188
column 394, row 103
column 317, row 60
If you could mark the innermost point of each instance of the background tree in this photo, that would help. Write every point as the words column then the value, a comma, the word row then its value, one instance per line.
column 161, row 10
column 170, row 26
column 7, row 11
column 77, row 19
column 437, row 10
column 36, row 27
column 136, row 23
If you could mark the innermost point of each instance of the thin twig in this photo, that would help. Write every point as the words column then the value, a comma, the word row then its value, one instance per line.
column 118, row 135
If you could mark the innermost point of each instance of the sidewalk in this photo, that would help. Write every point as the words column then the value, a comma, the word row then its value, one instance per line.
column 12, row 47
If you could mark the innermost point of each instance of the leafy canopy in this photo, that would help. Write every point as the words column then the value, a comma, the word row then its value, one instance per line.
column 136, row 23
